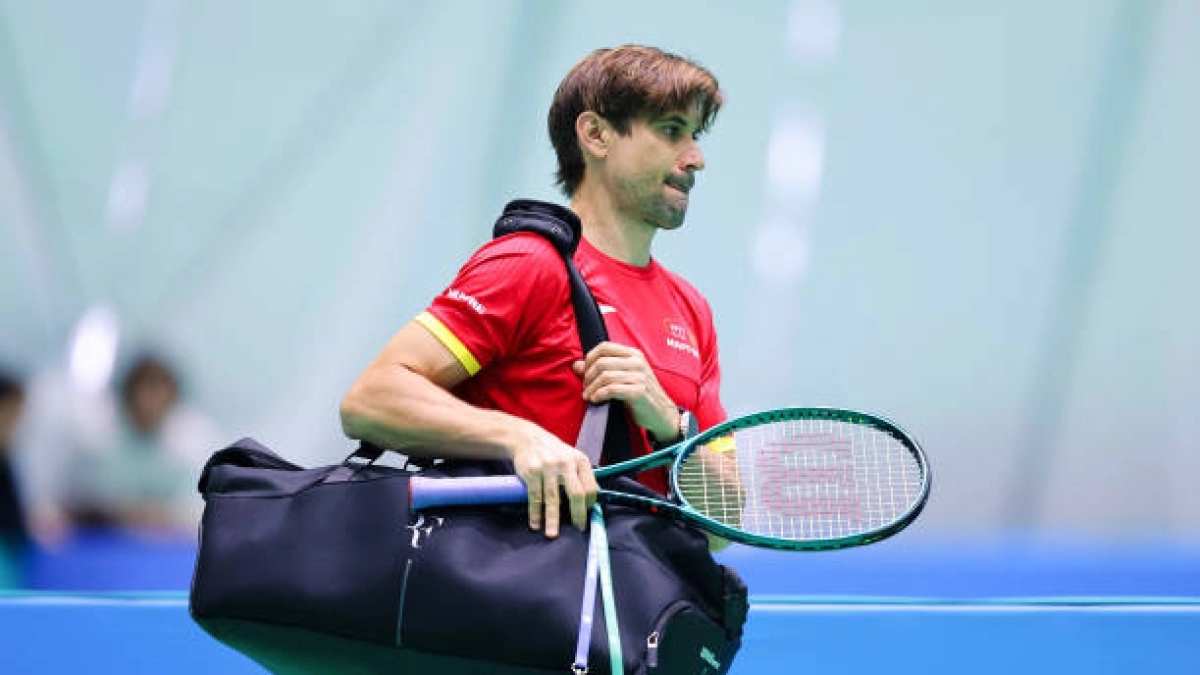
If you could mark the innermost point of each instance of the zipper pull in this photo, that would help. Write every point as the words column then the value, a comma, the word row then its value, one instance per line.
column 652, row 650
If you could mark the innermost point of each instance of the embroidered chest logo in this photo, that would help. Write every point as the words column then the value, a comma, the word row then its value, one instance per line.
column 422, row 528
column 680, row 338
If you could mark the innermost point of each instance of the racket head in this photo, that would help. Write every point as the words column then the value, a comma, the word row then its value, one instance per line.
column 803, row 478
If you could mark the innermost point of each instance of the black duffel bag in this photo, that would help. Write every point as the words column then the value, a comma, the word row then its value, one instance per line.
column 327, row 570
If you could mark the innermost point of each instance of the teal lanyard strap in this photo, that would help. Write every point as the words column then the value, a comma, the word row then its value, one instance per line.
column 616, row 659
column 598, row 565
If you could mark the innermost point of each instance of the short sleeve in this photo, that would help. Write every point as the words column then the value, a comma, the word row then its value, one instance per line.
column 496, row 299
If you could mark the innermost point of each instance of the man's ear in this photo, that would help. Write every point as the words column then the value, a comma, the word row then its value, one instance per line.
column 594, row 134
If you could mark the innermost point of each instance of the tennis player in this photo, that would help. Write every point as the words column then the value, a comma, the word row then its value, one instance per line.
column 492, row 369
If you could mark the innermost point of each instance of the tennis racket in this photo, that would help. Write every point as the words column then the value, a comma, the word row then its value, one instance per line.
column 793, row 479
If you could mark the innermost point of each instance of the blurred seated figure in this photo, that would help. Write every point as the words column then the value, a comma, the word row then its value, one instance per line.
column 14, row 533
column 146, row 475
column 127, row 458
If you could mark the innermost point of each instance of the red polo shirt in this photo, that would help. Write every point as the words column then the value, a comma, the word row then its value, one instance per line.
column 508, row 318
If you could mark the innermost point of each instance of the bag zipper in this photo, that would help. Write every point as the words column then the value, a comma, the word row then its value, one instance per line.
column 655, row 637
column 652, row 650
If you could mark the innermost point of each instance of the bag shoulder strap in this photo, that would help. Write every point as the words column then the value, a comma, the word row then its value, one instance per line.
column 562, row 227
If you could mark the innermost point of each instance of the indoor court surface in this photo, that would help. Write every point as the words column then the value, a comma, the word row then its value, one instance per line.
column 1097, row 635
column 999, row 606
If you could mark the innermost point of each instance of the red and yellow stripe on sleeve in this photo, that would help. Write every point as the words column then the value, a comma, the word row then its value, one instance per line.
column 450, row 341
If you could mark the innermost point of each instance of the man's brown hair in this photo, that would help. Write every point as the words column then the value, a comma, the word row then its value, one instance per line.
column 622, row 84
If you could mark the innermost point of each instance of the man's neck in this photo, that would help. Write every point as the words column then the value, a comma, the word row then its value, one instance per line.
column 607, row 230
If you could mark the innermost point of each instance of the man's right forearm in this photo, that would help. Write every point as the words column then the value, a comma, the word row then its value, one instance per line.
column 402, row 401
column 394, row 407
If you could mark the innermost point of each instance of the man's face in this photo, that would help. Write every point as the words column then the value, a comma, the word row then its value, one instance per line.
column 651, row 170
column 150, row 400
column 11, row 406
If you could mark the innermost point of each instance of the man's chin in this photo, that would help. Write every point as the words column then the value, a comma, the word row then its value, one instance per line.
column 666, row 214
column 672, row 219
column 673, row 215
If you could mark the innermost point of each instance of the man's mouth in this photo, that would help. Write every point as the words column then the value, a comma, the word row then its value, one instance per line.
column 684, row 185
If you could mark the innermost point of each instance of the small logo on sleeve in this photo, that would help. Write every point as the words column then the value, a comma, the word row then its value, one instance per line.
column 455, row 294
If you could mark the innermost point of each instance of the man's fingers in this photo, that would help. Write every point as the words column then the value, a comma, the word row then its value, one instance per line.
column 534, row 485
column 590, row 487
column 614, row 391
column 605, row 373
column 553, row 503
column 547, row 468
column 577, row 494
column 612, row 364
column 607, row 353
column 609, row 348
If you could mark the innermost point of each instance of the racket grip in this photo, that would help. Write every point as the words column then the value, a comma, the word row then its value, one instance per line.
column 427, row 493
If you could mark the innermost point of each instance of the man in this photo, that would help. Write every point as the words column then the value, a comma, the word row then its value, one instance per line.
column 14, row 531
column 493, row 368
column 125, row 456
column 141, row 473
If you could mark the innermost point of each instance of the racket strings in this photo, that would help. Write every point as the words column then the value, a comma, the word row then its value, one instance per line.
column 802, row 479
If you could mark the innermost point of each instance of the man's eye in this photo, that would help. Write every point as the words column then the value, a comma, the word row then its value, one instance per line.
column 672, row 131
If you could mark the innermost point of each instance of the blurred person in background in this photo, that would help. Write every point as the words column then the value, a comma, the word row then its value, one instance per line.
column 14, row 533
column 125, row 458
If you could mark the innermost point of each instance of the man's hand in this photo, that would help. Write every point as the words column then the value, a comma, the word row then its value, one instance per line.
column 712, row 484
column 613, row 371
column 547, row 465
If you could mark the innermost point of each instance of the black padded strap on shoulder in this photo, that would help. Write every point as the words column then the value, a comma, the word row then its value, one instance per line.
column 557, row 223
column 563, row 229
column 592, row 330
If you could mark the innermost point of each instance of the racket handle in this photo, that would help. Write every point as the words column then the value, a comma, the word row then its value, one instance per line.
column 426, row 493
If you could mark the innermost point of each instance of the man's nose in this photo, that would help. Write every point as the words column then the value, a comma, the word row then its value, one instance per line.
column 693, row 158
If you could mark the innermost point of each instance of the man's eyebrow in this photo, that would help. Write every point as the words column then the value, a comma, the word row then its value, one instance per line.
column 677, row 119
